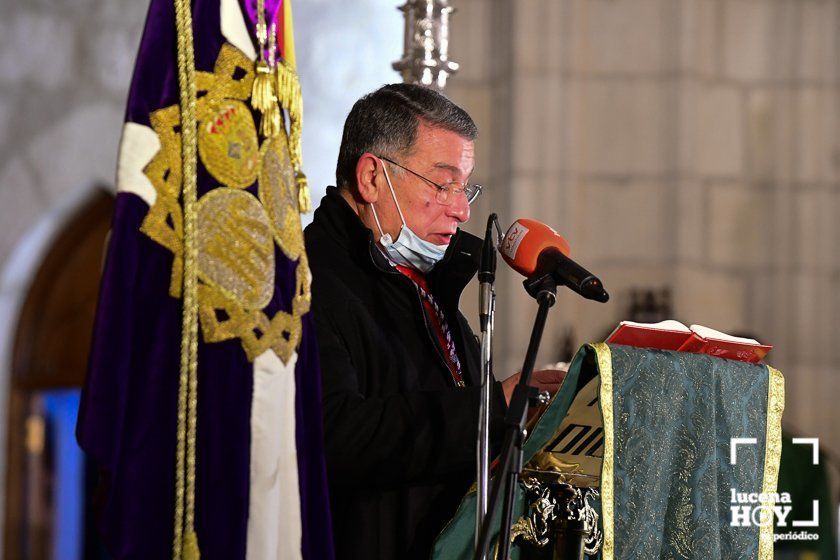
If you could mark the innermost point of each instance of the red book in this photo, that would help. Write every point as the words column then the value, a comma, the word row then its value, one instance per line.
column 673, row 335
column 715, row 343
column 666, row 335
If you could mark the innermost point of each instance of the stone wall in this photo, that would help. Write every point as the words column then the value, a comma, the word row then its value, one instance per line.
column 691, row 144
column 64, row 74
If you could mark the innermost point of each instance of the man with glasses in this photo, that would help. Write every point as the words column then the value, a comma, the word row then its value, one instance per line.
column 400, row 365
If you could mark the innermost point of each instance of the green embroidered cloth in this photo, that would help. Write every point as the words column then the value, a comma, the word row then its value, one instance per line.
column 667, row 482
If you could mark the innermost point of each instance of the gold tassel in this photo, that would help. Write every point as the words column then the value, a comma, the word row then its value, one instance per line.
column 272, row 121
column 288, row 90
column 264, row 100
column 191, row 551
column 289, row 97
column 304, row 199
column 262, row 92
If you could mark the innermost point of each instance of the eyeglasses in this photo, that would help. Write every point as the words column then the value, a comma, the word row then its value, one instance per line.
column 446, row 192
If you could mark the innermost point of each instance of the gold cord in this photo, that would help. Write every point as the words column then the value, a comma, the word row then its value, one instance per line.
column 185, row 543
column 289, row 95
column 291, row 99
column 268, row 93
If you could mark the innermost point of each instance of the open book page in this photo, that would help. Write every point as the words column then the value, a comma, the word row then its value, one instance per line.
column 577, row 447
column 707, row 333
column 704, row 340
column 667, row 325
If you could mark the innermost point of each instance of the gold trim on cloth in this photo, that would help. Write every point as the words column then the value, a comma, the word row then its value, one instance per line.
column 238, row 228
column 604, row 355
column 772, row 455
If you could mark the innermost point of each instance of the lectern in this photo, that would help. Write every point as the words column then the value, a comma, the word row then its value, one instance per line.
column 645, row 454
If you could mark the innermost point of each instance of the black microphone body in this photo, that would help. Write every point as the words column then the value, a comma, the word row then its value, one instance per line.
column 565, row 271
column 487, row 273
column 487, row 268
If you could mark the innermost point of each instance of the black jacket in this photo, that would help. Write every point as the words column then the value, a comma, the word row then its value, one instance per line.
column 400, row 437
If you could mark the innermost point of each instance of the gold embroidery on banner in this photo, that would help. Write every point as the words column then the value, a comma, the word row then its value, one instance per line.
column 236, row 232
column 235, row 248
column 164, row 221
column 164, row 224
column 772, row 455
column 278, row 193
column 207, row 96
column 222, row 318
column 234, row 74
column 228, row 145
column 164, row 171
column 604, row 355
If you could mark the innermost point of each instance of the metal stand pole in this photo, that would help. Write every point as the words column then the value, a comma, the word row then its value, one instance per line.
column 544, row 289
column 483, row 455
column 487, row 314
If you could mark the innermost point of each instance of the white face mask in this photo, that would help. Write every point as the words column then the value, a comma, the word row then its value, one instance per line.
column 408, row 249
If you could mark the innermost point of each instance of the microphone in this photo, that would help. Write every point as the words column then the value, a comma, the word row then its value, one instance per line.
column 487, row 273
column 533, row 249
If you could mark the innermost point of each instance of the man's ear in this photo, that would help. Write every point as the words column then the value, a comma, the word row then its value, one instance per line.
column 367, row 168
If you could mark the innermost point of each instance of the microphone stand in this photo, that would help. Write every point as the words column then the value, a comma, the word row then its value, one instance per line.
column 544, row 289
column 483, row 456
column 487, row 314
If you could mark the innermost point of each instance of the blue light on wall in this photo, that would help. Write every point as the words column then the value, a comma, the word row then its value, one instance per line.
column 61, row 409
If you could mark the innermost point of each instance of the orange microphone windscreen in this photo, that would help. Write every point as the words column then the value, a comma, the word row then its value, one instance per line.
column 525, row 240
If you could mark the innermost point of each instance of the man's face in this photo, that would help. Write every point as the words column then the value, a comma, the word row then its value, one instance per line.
column 441, row 156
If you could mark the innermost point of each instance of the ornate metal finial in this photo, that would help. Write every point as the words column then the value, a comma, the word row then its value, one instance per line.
column 426, row 45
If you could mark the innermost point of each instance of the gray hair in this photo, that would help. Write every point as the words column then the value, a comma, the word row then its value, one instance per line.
column 385, row 123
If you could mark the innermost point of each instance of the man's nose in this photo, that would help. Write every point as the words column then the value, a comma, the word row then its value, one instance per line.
column 460, row 208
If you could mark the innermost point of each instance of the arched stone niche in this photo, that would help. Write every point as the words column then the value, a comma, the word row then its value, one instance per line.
column 50, row 346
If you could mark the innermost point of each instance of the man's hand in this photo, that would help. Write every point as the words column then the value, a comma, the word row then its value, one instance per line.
column 544, row 380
